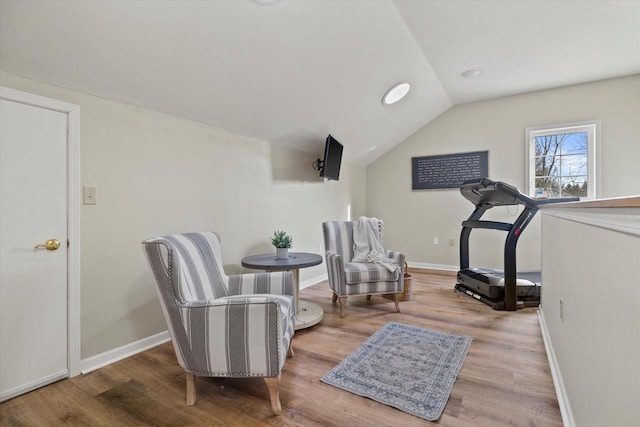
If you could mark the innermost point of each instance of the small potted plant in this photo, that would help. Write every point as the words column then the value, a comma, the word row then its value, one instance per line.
column 282, row 242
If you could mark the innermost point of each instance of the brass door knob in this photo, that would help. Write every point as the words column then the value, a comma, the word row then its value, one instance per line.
column 50, row 245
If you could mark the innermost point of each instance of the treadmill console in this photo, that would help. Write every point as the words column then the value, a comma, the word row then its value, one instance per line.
column 488, row 193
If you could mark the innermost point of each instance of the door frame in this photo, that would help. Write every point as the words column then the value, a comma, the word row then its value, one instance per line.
column 73, row 213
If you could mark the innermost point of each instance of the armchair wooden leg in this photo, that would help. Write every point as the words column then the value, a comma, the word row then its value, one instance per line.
column 343, row 305
column 273, row 384
column 290, row 351
column 334, row 297
column 191, row 389
column 396, row 299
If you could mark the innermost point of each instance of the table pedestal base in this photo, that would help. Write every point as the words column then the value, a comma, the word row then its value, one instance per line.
column 309, row 314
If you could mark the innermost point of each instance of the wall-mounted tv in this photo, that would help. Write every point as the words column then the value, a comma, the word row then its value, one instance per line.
column 330, row 168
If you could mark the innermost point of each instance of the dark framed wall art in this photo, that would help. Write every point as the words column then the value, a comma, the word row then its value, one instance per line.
column 448, row 170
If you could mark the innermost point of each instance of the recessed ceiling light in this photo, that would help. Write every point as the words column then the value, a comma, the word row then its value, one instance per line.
column 471, row 74
column 396, row 93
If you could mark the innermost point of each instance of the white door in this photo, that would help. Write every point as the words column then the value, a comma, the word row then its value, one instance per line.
column 33, row 281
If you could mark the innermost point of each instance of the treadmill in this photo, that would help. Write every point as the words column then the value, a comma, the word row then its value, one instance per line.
column 508, row 289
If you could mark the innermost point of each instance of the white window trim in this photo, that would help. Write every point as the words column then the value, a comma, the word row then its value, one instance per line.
column 592, row 127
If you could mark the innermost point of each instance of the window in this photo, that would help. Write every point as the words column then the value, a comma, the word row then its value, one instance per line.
column 561, row 160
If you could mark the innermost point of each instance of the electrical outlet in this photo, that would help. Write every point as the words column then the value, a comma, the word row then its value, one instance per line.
column 436, row 241
column 89, row 195
column 561, row 310
column 452, row 241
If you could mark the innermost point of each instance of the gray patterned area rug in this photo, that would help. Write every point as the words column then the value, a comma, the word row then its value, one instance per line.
column 410, row 368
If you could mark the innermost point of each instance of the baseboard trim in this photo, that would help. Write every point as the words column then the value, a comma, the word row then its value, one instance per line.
column 314, row 280
column 111, row 356
column 33, row 385
column 428, row 266
column 561, row 391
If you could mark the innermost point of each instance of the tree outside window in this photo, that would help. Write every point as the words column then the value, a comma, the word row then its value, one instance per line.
column 561, row 161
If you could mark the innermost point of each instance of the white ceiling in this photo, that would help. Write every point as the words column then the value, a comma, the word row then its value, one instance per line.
column 292, row 71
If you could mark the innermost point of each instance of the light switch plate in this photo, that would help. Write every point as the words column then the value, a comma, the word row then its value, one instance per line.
column 89, row 195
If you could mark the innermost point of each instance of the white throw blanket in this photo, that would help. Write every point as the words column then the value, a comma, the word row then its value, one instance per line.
column 367, row 243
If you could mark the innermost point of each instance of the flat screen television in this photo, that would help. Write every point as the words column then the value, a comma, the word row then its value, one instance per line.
column 332, row 158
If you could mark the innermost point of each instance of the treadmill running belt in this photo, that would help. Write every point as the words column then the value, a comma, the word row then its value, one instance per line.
column 490, row 283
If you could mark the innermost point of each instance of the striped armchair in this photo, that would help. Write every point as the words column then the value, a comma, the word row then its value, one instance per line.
column 347, row 278
column 222, row 326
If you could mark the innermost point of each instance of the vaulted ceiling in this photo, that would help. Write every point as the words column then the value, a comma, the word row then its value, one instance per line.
column 291, row 71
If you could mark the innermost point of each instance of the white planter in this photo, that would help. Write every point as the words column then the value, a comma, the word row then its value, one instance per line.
column 282, row 253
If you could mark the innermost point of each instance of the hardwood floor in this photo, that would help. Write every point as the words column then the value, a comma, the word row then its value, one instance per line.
column 505, row 380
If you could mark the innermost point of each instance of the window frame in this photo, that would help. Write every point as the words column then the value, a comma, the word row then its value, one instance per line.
column 591, row 127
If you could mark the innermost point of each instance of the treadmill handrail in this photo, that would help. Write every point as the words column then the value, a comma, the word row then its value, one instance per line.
column 492, row 225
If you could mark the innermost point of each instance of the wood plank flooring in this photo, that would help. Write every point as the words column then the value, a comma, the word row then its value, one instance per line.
column 505, row 380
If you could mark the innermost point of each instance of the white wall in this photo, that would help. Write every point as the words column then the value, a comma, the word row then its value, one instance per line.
column 413, row 218
column 158, row 174
column 590, row 259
